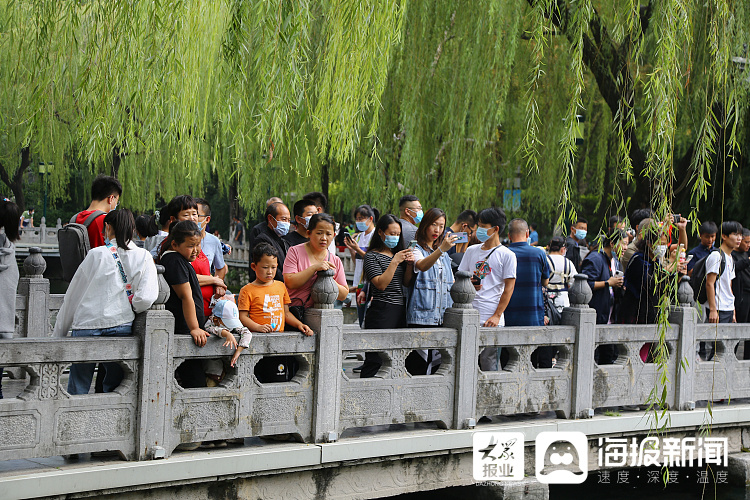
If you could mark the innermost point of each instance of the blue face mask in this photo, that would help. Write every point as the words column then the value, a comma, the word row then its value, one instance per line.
column 418, row 217
column 307, row 221
column 391, row 241
column 362, row 226
column 482, row 234
column 282, row 228
column 580, row 234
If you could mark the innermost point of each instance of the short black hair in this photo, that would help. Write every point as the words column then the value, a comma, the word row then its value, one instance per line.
column 179, row 231
column 122, row 223
column 708, row 227
column 581, row 220
column 180, row 203
column 318, row 198
column 613, row 220
column 406, row 199
column 378, row 243
column 301, row 205
column 105, row 186
column 745, row 232
column 638, row 215
column 467, row 217
column 9, row 215
column 273, row 210
column 494, row 216
column 556, row 243
column 146, row 226
column 730, row 226
column 533, row 226
column 202, row 202
column 264, row 248
column 367, row 211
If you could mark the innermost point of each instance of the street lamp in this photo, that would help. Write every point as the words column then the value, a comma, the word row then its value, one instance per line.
column 45, row 168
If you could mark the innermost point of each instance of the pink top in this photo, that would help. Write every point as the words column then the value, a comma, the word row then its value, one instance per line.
column 297, row 259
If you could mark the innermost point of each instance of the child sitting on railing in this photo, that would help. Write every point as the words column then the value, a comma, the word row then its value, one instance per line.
column 225, row 322
column 264, row 303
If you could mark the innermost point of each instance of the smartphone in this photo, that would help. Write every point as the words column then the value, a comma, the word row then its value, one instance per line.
column 463, row 237
column 689, row 258
column 412, row 244
column 618, row 273
column 676, row 218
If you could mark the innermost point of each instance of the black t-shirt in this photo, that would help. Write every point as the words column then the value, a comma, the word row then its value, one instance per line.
column 177, row 270
column 294, row 239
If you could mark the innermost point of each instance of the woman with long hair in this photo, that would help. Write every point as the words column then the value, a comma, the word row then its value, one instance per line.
column 430, row 296
column 113, row 283
column 388, row 267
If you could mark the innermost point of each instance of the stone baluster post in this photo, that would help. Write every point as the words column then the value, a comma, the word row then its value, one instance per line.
column 43, row 231
column 154, row 329
column 36, row 288
column 465, row 319
column 685, row 315
column 327, row 323
column 583, row 318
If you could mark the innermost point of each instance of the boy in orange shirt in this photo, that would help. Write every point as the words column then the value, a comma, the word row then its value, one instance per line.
column 264, row 303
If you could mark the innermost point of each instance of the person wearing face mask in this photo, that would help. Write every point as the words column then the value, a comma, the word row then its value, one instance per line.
column 278, row 223
column 364, row 217
column 410, row 213
column 493, row 270
column 388, row 266
column 466, row 222
column 576, row 246
column 210, row 244
column 105, row 195
column 114, row 282
column 303, row 210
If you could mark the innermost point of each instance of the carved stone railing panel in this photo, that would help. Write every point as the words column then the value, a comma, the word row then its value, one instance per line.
column 393, row 395
column 630, row 380
column 724, row 376
column 53, row 304
column 241, row 406
column 520, row 387
column 44, row 420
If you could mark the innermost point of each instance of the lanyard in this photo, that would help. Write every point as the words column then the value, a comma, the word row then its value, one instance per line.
column 128, row 286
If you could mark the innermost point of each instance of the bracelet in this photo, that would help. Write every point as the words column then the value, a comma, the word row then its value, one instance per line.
column 441, row 250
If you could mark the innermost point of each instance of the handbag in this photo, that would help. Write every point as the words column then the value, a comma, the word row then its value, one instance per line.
column 550, row 310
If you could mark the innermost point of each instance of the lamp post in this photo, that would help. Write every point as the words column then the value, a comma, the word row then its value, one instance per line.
column 45, row 168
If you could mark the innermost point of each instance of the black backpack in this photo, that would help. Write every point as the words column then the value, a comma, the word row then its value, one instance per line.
column 698, row 278
column 73, row 242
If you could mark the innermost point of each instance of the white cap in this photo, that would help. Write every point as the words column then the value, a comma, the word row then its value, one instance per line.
column 227, row 311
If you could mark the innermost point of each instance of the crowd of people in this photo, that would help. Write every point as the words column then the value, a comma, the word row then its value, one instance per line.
column 404, row 269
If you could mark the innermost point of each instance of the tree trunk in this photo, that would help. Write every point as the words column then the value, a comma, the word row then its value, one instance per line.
column 16, row 182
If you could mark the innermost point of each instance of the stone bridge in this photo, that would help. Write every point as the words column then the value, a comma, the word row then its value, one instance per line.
column 351, row 438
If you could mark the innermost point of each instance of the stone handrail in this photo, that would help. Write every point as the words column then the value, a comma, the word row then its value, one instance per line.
column 150, row 413
column 40, row 235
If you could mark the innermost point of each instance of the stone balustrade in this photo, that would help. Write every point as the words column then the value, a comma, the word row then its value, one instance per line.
column 40, row 235
column 150, row 413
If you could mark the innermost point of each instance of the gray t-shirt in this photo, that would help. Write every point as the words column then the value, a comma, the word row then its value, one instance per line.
column 408, row 231
column 211, row 246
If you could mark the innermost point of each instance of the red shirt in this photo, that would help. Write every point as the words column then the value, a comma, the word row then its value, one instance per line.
column 203, row 267
column 96, row 239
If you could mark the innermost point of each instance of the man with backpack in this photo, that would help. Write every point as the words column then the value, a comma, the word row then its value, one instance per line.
column 85, row 230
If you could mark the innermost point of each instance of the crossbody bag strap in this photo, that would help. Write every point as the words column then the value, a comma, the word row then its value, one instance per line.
column 128, row 286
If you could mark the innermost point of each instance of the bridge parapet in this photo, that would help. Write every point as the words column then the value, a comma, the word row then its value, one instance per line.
column 150, row 413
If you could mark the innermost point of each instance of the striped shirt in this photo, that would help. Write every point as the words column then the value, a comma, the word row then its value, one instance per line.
column 375, row 264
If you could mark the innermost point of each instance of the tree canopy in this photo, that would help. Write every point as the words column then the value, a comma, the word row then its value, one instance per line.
column 441, row 99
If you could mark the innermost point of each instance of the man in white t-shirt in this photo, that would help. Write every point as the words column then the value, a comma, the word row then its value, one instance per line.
column 720, row 273
column 494, row 275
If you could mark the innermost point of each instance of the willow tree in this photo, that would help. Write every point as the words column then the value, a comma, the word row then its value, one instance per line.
column 443, row 99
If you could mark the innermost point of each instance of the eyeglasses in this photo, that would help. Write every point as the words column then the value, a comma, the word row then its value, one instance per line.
column 203, row 216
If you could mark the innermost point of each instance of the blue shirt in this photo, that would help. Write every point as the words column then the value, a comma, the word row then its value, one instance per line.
column 526, row 306
column 211, row 246
column 533, row 237
column 698, row 253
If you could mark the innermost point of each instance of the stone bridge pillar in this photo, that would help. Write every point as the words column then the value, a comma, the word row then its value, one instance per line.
column 328, row 324
column 686, row 317
column 465, row 319
column 155, row 330
column 36, row 289
column 583, row 318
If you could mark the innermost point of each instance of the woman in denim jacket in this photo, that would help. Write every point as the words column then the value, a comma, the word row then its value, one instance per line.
column 430, row 296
